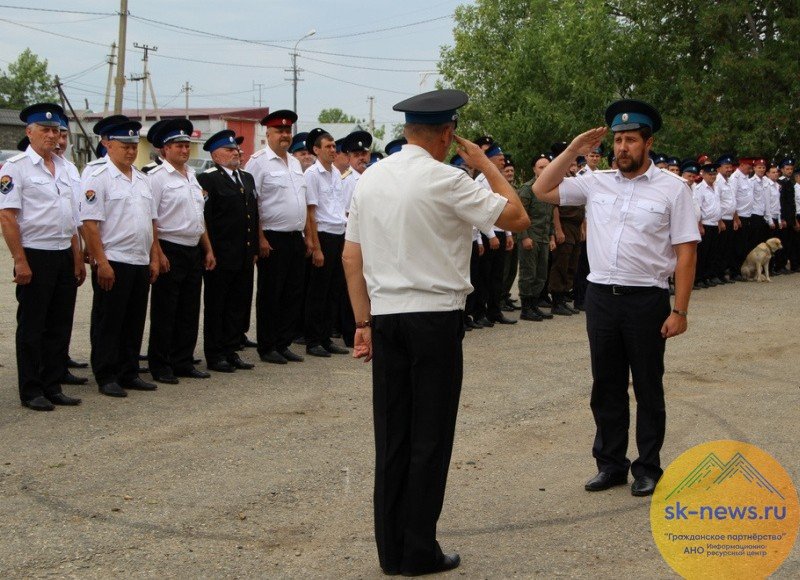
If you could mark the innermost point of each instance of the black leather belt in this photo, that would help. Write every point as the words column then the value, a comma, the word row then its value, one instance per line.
column 618, row 290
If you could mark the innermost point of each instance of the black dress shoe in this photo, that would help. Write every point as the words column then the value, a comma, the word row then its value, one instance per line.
column 70, row 379
column 192, row 373
column 73, row 364
column 335, row 348
column 138, row 384
column 112, row 390
column 542, row 313
column 500, row 319
column 485, row 322
column 561, row 310
column 579, row 306
column 167, row 379
column 62, row 399
column 643, row 486
column 273, row 357
column 221, row 366
column 571, row 308
column 448, row 562
column 529, row 314
column 292, row 357
column 39, row 404
column 316, row 350
column 236, row 362
column 605, row 480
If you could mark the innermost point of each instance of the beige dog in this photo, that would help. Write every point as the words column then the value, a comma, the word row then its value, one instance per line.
column 756, row 264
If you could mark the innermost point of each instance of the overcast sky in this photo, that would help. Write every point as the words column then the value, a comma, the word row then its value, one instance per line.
column 395, row 70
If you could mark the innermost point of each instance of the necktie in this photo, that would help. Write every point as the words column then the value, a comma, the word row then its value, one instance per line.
column 239, row 183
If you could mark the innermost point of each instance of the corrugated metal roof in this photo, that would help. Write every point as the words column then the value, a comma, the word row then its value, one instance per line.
column 10, row 117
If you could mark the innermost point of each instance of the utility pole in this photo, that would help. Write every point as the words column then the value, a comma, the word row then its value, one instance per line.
column 110, row 80
column 371, row 115
column 135, row 79
column 186, row 88
column 260, row 86
column 294, row 70
column 120, row 80
column 146, row 78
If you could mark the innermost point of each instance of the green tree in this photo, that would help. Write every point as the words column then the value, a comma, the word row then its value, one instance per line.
column 724, row 75
column 335, row 115
column 26, row 82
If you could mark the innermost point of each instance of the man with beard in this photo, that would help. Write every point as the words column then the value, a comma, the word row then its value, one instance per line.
column 231, row 215
column 642, row 228
column 283, row 214
column 38, row 219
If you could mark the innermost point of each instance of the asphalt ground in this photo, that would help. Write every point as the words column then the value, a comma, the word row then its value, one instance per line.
column 268, row 473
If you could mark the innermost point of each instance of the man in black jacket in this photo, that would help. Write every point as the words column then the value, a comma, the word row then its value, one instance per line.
column 789, row 225
column 231, row 214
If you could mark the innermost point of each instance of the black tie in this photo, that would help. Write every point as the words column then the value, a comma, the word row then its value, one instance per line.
column 239, row 183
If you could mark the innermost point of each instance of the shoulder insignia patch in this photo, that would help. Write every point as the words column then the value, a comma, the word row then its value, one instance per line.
column 90, row 196
column 155, row 169
column 6, row 184
column 606, row 171
column 101, row 161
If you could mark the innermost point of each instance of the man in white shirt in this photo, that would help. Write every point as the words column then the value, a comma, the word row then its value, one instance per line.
column 37, row 214
column 407, row 260
column 641, row 227
column 742, row 189
column 283, row 212
column 727, row 203
column 326, row 202
column 760, row 221
column 118, row 215
column 708, row 259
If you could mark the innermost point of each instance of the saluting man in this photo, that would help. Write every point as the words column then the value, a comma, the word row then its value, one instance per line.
column 118, row 214
column 406, row 260
column 283, row 213
column 184, row 252
column 231, row 214
column 38, row 216
column 641, row 227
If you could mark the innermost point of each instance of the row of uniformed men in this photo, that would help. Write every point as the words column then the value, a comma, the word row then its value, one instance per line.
column 172, row 229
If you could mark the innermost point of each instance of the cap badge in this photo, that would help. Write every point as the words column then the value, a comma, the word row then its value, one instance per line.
column 230, row 139
column 182, row 133
column 625, row 117
column 48, row 115
column 131, row 132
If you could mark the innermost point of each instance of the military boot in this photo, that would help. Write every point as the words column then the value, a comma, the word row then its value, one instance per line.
column 558, row 305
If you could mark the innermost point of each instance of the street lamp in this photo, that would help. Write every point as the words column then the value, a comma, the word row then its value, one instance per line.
column 311, row 32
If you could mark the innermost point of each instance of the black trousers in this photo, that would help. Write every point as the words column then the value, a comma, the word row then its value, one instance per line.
column 226, row 310
column 706, row 253
column 741, row 240
column 416, row 377
column 579, row 283
column 175, row 310
column 625, row 339
column 325, row 288
column 759, row 231
column 117, row 323
column 727, row 253
column 279, row 298
column 44, row 322
column 491, row 264
column 476, row 280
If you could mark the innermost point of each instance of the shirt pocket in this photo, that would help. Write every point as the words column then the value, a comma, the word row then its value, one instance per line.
column 648, row 216
column 278, row 182
column 602, row 207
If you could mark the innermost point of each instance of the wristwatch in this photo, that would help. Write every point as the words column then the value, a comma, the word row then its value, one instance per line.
column 683, row 313
column 364, row 324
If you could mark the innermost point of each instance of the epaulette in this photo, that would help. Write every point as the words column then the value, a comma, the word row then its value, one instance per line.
column 16, row 157
column 210, row 170
column 154, row 169
column 678, row 177
column 257, row 153
column 583, row 171
column 347, row 172
column 99, row 170
column 97, row 161
column 605, row 171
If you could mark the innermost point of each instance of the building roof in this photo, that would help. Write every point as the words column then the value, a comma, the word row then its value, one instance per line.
column 10, row 117
column 249, row 114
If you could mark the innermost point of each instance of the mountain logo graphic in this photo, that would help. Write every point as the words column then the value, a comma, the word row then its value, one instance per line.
column 711, row 472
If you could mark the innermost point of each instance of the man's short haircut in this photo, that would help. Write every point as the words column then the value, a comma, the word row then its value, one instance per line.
column 322, row 137
column 425, row 132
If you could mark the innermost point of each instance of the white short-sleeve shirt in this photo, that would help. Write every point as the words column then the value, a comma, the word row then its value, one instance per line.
column 743, row 192
column 281, row 191
column 708, row 199
column 179, row 204
column 125, row 209
column 633, row 224
column 46, row 203
column 413, row 217
column 325, row 190
column 727, row 199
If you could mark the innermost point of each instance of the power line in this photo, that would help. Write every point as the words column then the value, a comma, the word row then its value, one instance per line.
column 83, row 72
column 52, row 33
column 366, row 32
column 237, row 64
column 356, row 84
column 58, row 10
column 381, row 69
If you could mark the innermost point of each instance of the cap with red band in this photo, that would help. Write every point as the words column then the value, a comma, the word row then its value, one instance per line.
column 282, row 118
